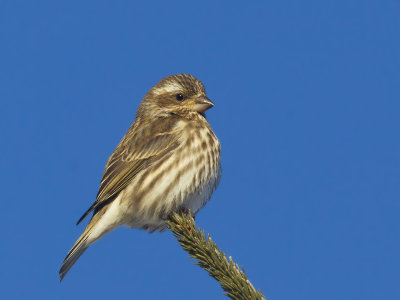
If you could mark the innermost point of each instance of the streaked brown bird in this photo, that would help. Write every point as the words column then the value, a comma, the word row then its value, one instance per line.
column 169, row 160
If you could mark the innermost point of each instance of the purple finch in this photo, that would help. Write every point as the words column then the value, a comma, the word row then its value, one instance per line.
column 169, row 160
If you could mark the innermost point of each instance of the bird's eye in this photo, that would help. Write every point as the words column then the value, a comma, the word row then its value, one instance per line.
column 179, row 97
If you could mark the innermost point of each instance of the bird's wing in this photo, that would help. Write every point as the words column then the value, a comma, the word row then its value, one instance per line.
column 139, row 148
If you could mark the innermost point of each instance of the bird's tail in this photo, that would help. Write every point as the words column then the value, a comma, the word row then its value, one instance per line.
column 76, row 251
column 100, row 224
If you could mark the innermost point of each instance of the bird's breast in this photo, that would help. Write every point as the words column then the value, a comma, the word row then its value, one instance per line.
column 185, row 178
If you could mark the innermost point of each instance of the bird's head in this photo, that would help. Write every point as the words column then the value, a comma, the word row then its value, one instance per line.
column 180, row 94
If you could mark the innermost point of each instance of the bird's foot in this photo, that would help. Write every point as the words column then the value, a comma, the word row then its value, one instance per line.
column 188, row 212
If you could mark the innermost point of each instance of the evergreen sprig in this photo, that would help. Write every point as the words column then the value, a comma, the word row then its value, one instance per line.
column 200, row 247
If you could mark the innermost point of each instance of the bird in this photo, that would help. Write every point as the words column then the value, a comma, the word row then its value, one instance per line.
column 167, row 162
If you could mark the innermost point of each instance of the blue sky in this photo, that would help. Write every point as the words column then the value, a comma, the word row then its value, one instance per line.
column 307, row 110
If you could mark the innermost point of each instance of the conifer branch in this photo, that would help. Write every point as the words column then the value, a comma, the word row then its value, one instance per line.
column 200, row 247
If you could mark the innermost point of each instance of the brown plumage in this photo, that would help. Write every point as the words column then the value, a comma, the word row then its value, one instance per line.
column 168, row 160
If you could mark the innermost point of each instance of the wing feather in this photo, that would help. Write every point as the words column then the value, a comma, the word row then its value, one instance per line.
column 140, row 147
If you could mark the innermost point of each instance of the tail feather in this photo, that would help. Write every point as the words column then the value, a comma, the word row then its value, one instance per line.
column 101, row 223
column 76, row 251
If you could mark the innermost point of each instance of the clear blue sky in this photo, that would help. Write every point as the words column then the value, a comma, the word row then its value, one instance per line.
column 307, row 110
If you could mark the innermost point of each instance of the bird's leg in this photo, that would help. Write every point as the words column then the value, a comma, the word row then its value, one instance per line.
column 188, row 212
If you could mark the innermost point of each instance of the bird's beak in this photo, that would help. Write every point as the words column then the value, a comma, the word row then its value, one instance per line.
column 201, row 104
